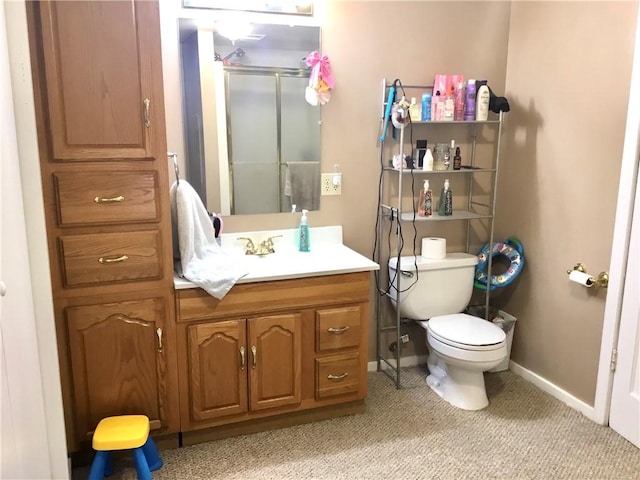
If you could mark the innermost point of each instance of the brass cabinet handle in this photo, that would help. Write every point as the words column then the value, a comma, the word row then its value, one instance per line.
column 338, row 331
column 254, row 350
column 147, row 117
column 159, row 333
column 119, row 198
column 337, row 377
column 241, row 358
column 121, row 258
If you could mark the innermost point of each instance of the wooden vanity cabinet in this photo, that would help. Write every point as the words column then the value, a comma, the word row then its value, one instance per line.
column 98, row 91
column 310, row 339
column 244, row 365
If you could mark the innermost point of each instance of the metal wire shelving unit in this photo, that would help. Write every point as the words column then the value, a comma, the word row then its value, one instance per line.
column 390, row 212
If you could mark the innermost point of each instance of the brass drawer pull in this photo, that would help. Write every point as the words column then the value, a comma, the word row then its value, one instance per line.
column 241, row 358
column 105, row 260
column 119, row 198
column 338, row 331
column 147, row 117
column 159, row 333
column 254, row 351
column 337, row 377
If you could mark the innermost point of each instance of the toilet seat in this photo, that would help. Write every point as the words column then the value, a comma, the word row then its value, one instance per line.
column 465, row 332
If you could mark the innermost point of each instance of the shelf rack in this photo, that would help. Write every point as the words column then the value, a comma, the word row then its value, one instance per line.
column 392, row 211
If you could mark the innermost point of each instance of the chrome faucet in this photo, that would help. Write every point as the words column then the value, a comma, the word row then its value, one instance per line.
column 250, row 247
column 266, row 246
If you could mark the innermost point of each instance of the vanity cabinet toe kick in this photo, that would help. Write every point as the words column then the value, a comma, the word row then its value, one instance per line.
column 271, row 354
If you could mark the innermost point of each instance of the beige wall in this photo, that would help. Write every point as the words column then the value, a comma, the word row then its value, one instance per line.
column 568, row 75
column 566, row 69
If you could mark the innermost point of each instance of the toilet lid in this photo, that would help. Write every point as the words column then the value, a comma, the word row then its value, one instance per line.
column 466, row 331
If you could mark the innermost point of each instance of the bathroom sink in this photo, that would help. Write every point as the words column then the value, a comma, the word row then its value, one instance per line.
column 328, row 256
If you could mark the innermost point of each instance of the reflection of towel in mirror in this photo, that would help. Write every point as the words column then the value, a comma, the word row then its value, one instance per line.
column 302, row 184
column 202, row 260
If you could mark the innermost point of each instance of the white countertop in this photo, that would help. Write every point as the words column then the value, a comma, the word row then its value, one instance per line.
column 328, row 256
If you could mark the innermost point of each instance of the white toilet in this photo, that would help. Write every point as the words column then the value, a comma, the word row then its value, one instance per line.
column 461, row 346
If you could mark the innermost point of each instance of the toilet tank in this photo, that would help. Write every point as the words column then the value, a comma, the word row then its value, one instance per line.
column 432, row 287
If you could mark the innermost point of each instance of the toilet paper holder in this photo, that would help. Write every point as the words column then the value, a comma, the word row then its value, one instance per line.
column 602, row 280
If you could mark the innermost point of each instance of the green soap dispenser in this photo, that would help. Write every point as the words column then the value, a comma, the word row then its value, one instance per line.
column 445, row 205
column 303, row 233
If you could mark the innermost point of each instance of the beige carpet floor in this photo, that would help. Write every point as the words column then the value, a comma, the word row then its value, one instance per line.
column 413, row 434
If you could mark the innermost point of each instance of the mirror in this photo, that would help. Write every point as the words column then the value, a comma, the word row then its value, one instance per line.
column 252, row 141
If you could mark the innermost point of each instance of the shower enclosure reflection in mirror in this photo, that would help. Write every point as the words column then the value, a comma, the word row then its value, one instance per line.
column 294, row 7
column 252, row 142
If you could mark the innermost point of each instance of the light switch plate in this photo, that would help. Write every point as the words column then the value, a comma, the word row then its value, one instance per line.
column 331, row 184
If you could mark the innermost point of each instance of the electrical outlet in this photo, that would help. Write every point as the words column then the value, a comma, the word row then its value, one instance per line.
column 331, row 184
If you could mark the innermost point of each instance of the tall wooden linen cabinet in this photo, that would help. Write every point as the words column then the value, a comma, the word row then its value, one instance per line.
column 98, row 92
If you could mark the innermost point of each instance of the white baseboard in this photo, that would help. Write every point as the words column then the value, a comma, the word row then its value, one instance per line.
column 540, row 382
column 553, row 390
column 410, row 361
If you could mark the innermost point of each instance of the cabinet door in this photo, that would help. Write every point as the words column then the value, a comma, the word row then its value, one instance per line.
column 118, row 362
column 275, row 344
column 217, row 369
column 103, row 73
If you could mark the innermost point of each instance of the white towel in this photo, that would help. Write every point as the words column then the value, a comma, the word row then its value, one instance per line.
column 202, row 260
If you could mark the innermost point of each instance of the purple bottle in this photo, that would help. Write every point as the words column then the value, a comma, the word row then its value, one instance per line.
column 470, row 101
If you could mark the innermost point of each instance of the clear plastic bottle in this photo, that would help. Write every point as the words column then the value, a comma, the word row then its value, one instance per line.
column 426, row 107
column 304, row 242
column 458, row 107
column 415, row 110
column 425, row 208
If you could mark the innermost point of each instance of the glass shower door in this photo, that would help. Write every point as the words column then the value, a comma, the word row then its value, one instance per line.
column 252, row 119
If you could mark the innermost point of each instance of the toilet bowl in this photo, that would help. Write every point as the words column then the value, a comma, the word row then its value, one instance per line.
column 461, row 348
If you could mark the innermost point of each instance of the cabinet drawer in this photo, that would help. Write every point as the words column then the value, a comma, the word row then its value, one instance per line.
column 337, row 328
column 110, row 257
column 106, row 197
column 337, row 375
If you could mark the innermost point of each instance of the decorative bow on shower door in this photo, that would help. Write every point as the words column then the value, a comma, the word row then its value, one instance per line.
column 320, row 81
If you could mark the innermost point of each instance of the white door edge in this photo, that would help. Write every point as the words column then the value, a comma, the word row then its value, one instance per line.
column 620, row 245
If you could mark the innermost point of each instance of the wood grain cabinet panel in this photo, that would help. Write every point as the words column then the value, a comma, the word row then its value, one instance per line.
column 98, row 94
column 111, row 257
column 217, row 369
column 118, row 362
column 99, row 198
column 275, row 344
column 338, row 328
column 236, row 367
column 102, row 100
column 338, row 375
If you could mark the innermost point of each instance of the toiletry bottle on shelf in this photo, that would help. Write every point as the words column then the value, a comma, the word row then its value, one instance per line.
column 457, row 159
column 426, row 107
column 482, row 103
column 470, row 101
column 427, row 161
column 426, row 199
column 449, row 106
column 421, row 150
column 303, row 233
column 415, row 110
column 437, row 107
column 445, row 204
column 458, row 106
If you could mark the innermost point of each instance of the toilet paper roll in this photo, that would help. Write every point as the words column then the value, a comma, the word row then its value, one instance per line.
column 434, row 248
column 582, row 278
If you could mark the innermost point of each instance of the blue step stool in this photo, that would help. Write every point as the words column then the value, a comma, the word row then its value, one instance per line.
column 124, row 432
